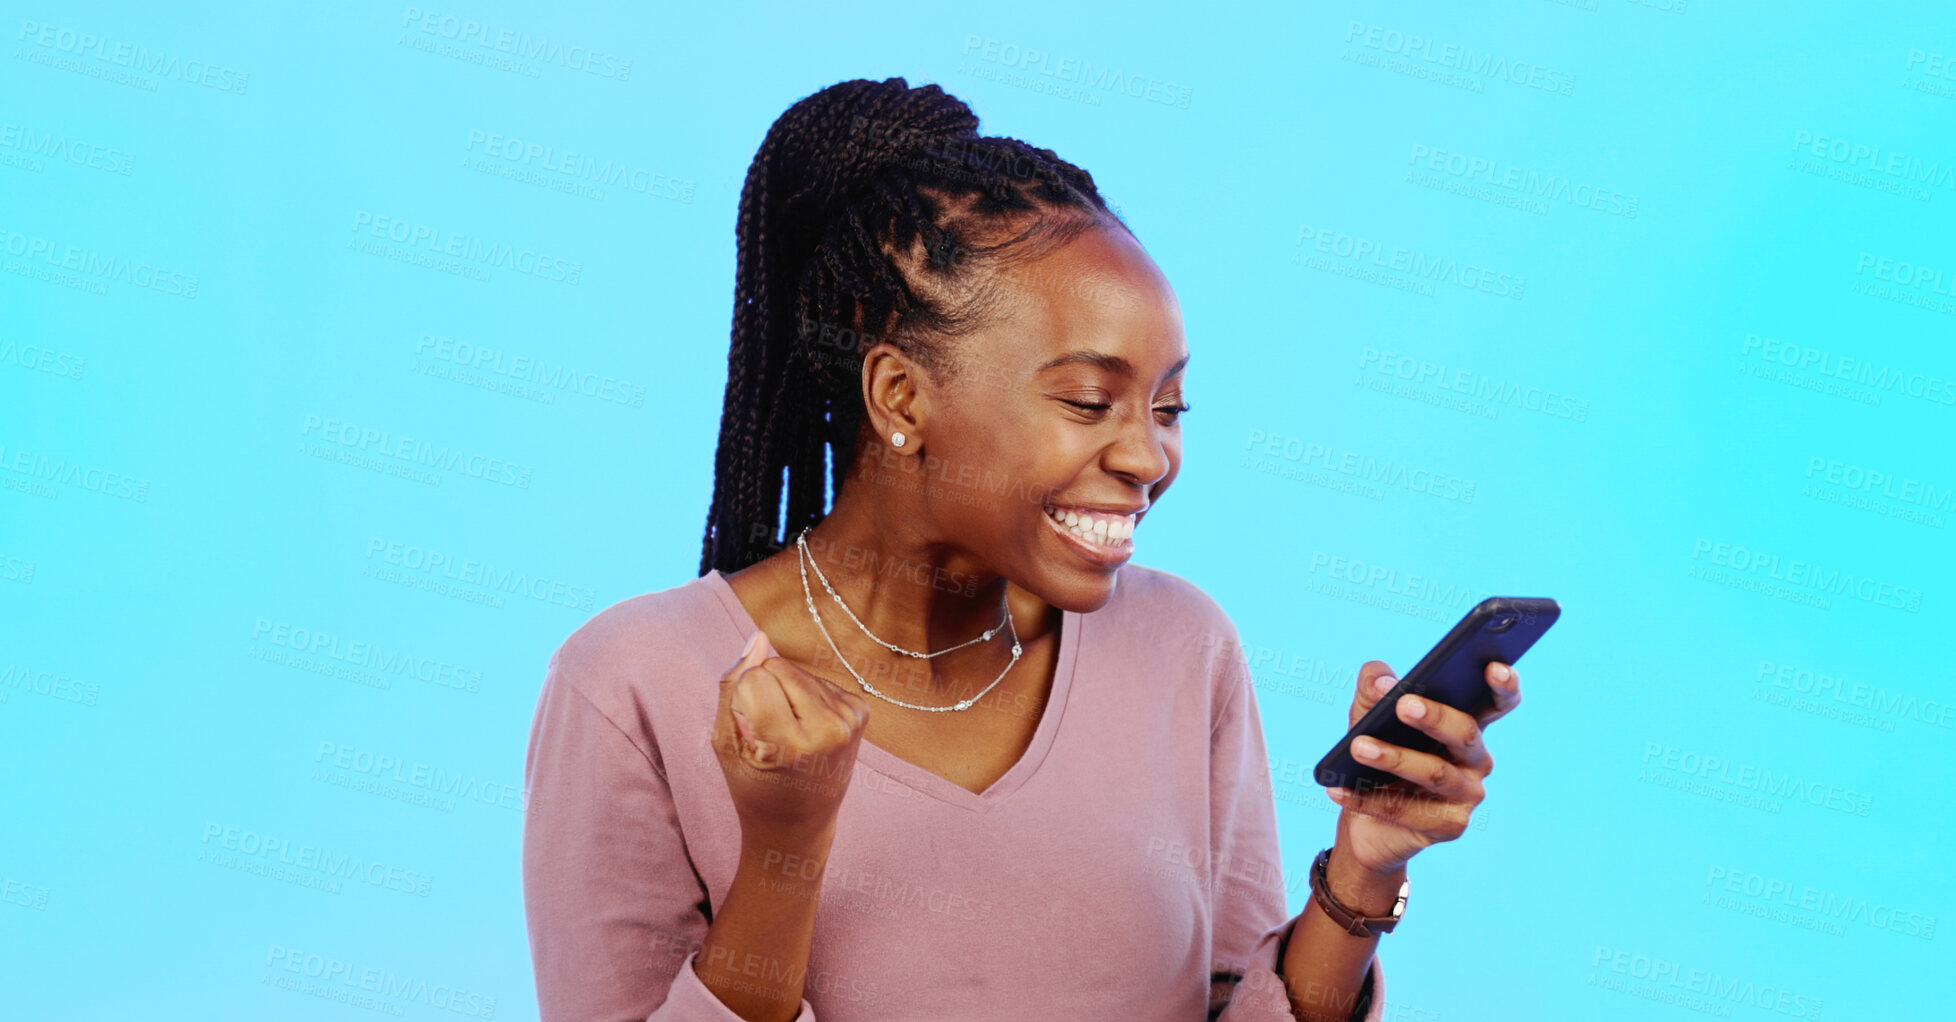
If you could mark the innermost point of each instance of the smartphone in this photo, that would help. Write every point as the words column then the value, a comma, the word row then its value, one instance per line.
column 1498, row 630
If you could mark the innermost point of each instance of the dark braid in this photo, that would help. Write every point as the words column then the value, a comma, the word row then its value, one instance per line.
column 865, row 214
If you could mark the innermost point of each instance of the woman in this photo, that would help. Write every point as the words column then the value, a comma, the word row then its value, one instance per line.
column 962, row 760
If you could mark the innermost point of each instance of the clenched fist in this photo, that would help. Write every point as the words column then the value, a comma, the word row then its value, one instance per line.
column 787, row 741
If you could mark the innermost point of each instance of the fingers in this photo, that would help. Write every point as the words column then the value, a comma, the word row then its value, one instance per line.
column 814, row 697
column 1374, row 680
column 1434, row 818
column 1453, row 728
column 757, row 650
column 1506, row 683
column 826, row 714
column 1424, row 769
column 773, row 711
column 849, row 704
column 761, row 708
column 735, row 732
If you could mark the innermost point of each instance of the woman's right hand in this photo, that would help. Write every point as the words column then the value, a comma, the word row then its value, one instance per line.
column 787, row 741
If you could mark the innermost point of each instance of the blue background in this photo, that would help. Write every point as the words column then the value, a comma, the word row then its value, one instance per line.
column 1646, row 417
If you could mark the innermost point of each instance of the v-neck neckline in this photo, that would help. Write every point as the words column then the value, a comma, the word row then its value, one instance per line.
column 910, row 774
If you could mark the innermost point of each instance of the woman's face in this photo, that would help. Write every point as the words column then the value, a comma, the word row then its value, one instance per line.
column 1066, row 400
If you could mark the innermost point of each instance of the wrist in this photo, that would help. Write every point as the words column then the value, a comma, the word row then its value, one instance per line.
column 1367, row 889
column 786, row 850
column 811, row 836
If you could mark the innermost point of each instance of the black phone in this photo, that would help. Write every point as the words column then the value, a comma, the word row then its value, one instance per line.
column 1498, row 630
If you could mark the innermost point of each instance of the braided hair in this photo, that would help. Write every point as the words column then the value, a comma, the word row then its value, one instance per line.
column 868, row 214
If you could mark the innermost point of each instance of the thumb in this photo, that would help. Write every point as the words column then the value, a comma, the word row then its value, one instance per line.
column 757, row 649
column 764, row 648
column 1375, row 679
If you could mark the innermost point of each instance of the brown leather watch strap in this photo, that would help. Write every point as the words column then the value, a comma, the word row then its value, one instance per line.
column 1353, row 923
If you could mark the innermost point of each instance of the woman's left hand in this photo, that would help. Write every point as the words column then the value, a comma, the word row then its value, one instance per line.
column 1385, row 827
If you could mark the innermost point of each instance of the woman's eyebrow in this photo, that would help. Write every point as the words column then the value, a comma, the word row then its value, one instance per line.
column 1112, row 363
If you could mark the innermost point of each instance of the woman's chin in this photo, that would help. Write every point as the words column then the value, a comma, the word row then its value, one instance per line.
column 1081, row 592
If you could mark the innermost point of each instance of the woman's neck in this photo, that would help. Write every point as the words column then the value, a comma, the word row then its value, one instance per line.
column 907, row 588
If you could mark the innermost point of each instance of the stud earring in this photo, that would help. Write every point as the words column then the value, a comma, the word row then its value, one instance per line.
column 896, row 439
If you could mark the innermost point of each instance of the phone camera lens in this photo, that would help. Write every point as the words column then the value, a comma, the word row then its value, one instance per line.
column 1503, row 623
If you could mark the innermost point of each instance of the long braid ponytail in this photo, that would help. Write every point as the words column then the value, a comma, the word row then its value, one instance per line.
column 861, row 218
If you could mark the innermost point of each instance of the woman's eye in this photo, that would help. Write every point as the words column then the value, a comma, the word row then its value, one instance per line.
column 1174, row 412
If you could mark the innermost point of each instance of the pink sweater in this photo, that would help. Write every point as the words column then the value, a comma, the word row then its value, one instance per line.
column 1125, row 868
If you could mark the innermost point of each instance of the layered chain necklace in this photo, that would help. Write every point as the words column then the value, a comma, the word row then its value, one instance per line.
column 804, row 558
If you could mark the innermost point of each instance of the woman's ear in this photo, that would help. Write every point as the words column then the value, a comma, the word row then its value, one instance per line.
column 893, row 401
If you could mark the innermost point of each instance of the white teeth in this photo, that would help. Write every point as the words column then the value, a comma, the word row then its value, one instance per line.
column 1101, row 530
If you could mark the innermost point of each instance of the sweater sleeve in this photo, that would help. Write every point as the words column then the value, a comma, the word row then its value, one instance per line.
column 616, row 912
column 1247, row 872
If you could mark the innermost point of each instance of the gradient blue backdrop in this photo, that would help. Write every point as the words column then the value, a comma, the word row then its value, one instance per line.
column 1645, row 306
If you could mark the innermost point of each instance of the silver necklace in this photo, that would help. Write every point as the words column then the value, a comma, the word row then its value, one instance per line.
column 801, row 541
column 808, row 596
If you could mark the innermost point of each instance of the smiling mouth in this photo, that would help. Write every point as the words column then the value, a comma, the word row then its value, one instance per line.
column 1104, row 536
